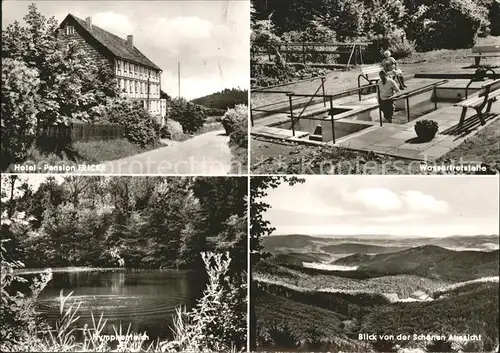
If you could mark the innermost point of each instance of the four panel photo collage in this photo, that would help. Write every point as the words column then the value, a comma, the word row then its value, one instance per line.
column 250, row 176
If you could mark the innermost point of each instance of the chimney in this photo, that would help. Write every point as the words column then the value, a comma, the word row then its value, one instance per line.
column 130, row 40
column 89, row 22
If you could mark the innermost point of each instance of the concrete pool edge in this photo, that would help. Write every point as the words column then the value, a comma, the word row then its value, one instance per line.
column 386, row 139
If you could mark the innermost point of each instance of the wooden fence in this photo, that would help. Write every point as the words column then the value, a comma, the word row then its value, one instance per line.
column 315, row 54
column 83, row 132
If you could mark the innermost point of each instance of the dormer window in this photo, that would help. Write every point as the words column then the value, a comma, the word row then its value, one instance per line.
column 70, row 30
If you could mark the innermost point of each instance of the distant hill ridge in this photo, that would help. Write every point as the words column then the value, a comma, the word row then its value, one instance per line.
column 301, row 240
column 429, row 261
column 288, row 241
column 379, row 236
column 224, row 99
column 343, row 248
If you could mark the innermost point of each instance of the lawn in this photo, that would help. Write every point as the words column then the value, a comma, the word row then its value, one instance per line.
column 272, row 156
column 88, row 152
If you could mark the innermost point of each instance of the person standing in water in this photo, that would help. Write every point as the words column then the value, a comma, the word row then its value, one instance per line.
column 390, row 66
column 387, row 88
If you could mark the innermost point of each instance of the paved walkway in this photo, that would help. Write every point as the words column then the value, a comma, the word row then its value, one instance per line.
column 206, row 154
column 399, row 140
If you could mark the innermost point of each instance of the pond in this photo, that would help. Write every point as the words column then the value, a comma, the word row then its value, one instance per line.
column 146, row 300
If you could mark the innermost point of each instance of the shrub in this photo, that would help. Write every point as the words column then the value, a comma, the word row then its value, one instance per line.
column 316, row 33
column 399, row 45
column 384, row 17
column 189, row 115
column 218, row 322
column 263, row 31
column 426, row 129
column 235, row 122
column 140, row 127
column 239, row 134
column 449, row 24
column 18, row 320
column 267, row 74
column 18, row 121
column 345, row 16
column 396, row 41
column 172, row 130
column 235, row 116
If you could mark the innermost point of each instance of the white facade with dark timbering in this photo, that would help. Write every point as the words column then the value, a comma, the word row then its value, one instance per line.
column 137, row 77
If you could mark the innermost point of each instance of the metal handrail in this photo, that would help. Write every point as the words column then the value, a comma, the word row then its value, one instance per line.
column 332, row 115
column 310, row 100
column 266, row 90
column 334, row 95
column 407, row 95
column 418, row 90
column 325, row 97
column 322, row 86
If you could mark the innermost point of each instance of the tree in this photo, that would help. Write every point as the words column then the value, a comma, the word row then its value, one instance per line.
column 149, row 222
column 289, row 16
column 447, row 24
column 140, row 126
column 220, row 198
column 14, row 225
column 71, row 84
column 49, row 195
column 385, row 17
column 346, row 17
column 259, row 227
column 225, row 99
column 191, row 245
column 223, row 202
column 20, row 84
column 190, row 115
column 233, row 240
column 172, row 210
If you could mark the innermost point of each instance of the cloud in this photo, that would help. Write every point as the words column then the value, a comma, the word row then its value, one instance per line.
column 393, row 218
column 191, row 35
column 115, row 23
column 210, row 54
column 177, row 35
column 409, row 202
column 309, row 203
column 418, row 201
column 374, row 199
column 187, row 27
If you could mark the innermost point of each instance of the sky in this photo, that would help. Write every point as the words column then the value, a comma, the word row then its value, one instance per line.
column 209, row 38
column 34, row 180
column 389, row 205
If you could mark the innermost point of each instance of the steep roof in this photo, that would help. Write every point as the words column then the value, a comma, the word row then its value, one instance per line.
column 116, row 45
